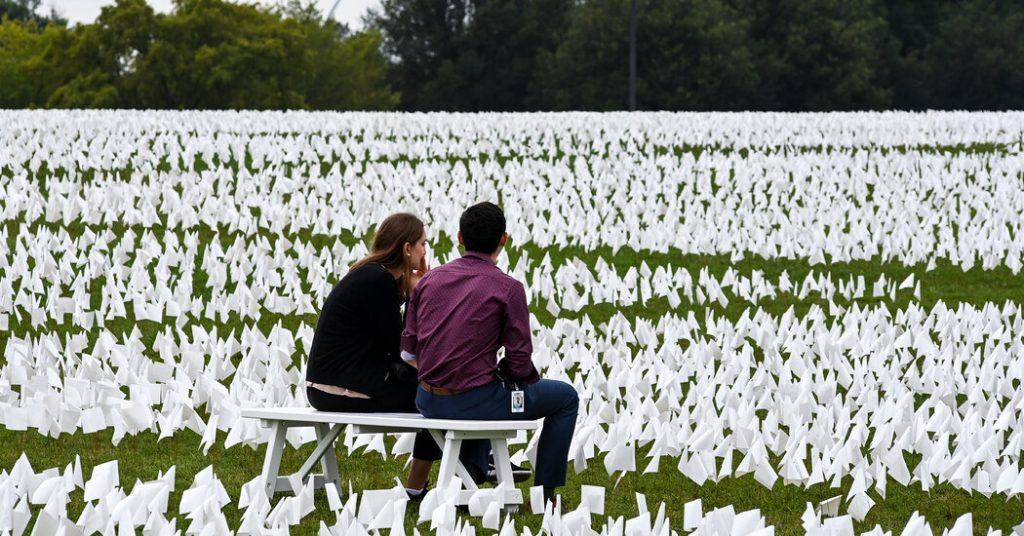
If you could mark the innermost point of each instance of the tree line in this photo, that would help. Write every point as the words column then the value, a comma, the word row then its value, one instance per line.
column 205, row 54
column 523, row 55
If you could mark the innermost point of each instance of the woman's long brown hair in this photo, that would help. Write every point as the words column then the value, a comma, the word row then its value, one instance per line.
column 388, row 247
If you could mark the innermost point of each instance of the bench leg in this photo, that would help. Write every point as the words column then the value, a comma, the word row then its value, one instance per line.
column 324, row 454
column 329, row 462
column 502, row 461
column 451, row 465
column 449, row 459
column 272, row 461
column 503, row 466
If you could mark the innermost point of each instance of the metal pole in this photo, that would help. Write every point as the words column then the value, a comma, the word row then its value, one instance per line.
column 632, row 55
column 330, row 14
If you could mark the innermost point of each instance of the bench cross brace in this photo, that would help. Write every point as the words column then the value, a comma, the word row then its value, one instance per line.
column 324, row 453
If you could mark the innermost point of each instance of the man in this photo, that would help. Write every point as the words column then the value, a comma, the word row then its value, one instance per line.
column 456, row 319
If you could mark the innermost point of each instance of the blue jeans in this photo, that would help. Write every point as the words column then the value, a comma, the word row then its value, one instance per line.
column 554, row 401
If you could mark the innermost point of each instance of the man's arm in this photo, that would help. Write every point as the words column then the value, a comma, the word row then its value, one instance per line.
column 516, row 336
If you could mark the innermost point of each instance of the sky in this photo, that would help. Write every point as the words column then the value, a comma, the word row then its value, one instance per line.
column 85, row 11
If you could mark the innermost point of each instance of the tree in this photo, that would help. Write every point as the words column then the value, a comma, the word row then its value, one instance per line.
column 28, row 11
column 212, row 54
column 511, row 55
column 22, row 44
column 696, row 55
column 208, row 54
column 588, row 70
column 496, row 68
column 691, row 55
column 912, row 26
column 419, row 37
column 90, row 90
column 220, row 55
column 470, row 55
column 99, row 67
column 820, row 54
column 23, row 10
column 974, row 61
column 349, row 74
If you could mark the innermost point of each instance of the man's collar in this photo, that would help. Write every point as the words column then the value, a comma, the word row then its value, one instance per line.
column 478, row 255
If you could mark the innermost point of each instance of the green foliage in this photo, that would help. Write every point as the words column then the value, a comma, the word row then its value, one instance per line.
column 21, row 47
column 28, row 11
column 470, row 55
column 497, row 57
column 975, row 58
column 588, row 70
column 205, row 54
column 91, row 90
column 706, row 54
column 22, row 10
column 690, row 56
column 697, row 56
column 820, row 54
column 521, row 55
column 236, row 57
column 351, row 76
column 421, row 36
column 964, row 55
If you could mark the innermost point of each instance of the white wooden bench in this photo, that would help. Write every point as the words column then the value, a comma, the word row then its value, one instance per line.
column 448, row 433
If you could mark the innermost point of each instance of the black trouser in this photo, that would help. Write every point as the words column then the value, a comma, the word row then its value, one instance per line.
column 397, row 398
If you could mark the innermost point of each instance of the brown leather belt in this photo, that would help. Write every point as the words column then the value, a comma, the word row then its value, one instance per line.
column 441, row 391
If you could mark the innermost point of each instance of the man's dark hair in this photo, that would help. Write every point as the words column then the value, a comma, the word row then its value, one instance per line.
column 481, row 226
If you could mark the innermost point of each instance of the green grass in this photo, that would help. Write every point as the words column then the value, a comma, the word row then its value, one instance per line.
column 142, row 457
column 946, row 282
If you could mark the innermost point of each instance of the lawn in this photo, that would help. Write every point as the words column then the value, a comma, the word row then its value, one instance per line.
column 251, row 241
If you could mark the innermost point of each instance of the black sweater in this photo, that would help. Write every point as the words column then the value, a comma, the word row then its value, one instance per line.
column 358, row 333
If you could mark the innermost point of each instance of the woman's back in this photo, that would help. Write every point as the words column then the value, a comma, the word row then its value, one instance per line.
column 357, row 335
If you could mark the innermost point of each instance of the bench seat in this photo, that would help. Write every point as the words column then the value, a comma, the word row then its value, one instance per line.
column 448, row 433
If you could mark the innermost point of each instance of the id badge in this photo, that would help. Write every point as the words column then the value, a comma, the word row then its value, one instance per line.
column 518, row 401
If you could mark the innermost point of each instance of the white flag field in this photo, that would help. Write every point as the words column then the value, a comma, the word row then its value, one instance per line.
column 776, row 323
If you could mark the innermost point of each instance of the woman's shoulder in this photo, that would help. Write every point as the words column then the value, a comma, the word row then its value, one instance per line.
column 361, row 288
column 369, row 277
column 369, row 271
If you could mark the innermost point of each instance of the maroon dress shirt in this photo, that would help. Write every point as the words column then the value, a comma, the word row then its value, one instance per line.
column 457, row 318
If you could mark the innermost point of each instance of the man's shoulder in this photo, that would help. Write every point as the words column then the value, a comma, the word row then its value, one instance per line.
column 456, row 273
column 507, row 279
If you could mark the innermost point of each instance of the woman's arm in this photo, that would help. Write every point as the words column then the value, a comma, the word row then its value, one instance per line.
column 409, row 333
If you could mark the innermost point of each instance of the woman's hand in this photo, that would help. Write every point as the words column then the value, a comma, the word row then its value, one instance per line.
column 419, row 272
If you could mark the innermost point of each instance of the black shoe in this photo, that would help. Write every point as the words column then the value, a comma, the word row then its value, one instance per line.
column 519, row 474
column 419, row 496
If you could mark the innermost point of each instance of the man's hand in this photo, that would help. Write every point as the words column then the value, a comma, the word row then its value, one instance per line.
column 418, row 273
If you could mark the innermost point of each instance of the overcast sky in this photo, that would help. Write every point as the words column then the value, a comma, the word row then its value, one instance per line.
column 349, row 11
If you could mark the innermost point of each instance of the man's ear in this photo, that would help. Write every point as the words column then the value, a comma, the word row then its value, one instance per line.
column 504, row 238
column 461, row 241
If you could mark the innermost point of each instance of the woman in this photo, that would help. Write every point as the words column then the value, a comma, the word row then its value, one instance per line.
column 354, row 362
